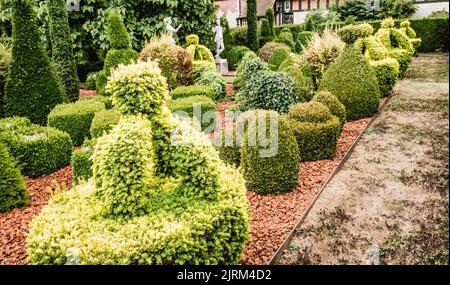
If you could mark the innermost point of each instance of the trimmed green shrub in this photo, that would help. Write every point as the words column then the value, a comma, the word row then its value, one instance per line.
column 235, row 56
column 403, row 58
column 75, row 118
column 249, row 66
column 266, row 32
column 194, row 90
column 276, row 171
column 316, row 130
column 62, row 52
column 90, row 81
column 82, row 163
column 228, row 146
column 38, row 150
column 268, row 90
column 270, row 16
column 386, row 71
column 267, row 50
column 199, row 63
column 14, row 123
column 351, row 79
column 252, row 26
column 188, row 107
column 405, row 27
column 13, row 192
column 279, row 55
column 174, row 61
column 304, row 84
column 120, row 46
column 333, row 104
column 286, row 38
column 303, row 39
column 103, row 122
column 207, row 77
column 5, row 59
column 100, row 82
column 179, row 190
column 198, row 51
column 350, row 33
column 103, row 99
column 33, row 89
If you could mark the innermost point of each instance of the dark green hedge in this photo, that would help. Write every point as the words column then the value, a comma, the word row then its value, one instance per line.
column 235, row 56
column 33, row 87
column 187, row 105
column 39, row 150
column 81, row 162
column 75, row 118
column 62, row 52
column 274, row 174
column 194, row 90
column 103, row 122
column 13, row 192
column 316, row 130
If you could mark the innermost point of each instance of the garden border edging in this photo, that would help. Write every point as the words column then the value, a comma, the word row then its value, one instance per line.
column 276, row 257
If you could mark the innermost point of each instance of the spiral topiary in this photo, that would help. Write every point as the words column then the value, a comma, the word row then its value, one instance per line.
column 316, row 129
column 160, row 193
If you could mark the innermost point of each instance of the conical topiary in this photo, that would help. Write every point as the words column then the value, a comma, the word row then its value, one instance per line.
column 62, row 53
column 351, row 79
column 13, row 192
column 33, row 87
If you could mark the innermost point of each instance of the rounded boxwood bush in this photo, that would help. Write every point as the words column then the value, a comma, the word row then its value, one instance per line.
column 186, row 107
column 100, row 83
column 103, row 122
column 333, row 104
column 75, row 118
column 316, row 130
column 174, row 61
column 268, row 90
column 153, row 176
column 267, row 50
column 38, row 150
column 82, row 163
column 273, row 173
column 228, row 146
column 194, row 90
column 351, row 79
column 249, row 66
column 33, row 88
column 235, row 56
column 279, row 55
column 286, row 38
column 206, row 77
column 14, row 123
column 305, row 85
column 13, row 192
column 102, row 99
column 303, row 39
column 199, row 63
column 386, row 71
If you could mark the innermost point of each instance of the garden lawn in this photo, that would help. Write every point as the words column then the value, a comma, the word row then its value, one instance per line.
column 389, row 202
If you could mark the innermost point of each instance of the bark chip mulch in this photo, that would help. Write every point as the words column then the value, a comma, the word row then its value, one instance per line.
column 274, row 216
column 14, row 224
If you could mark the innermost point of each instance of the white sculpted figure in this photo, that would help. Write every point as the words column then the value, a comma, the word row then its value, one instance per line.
column 219, row 39
column 170, row 30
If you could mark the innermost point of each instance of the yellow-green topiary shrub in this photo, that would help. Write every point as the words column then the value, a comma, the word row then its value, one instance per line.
column 316, row 129
column 405, row 27
column 198, row 51
column 159, row 195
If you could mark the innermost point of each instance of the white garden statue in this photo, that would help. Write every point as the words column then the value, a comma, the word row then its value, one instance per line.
column 171, row 30
column 219, row 39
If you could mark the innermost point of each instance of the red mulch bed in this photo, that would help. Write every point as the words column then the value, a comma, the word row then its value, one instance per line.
column 14, row 224
column 272, row 217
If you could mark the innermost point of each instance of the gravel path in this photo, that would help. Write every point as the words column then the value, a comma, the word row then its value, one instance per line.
column 389, row 203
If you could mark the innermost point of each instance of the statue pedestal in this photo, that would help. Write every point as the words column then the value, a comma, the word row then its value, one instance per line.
column 221, row 65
